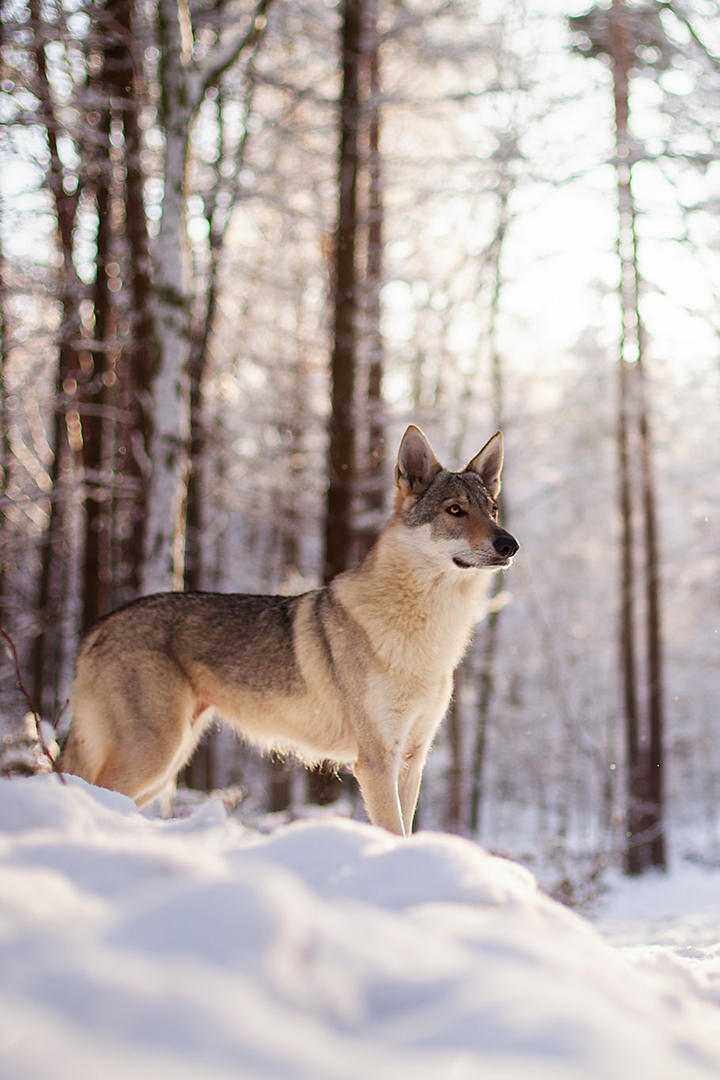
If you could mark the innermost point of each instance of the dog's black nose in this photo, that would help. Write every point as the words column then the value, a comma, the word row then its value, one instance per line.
column 505, row 545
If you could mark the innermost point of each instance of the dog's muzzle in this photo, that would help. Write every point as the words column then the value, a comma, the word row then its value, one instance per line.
column 504, row 546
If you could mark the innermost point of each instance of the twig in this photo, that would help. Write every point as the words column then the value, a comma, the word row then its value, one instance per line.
column 24, row 691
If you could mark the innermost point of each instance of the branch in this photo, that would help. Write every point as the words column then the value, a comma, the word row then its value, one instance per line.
column 31, row 707
column 210, row 73
column 66, row 205
column 681, row 16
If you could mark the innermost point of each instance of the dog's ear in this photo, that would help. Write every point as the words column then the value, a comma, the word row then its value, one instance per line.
column 417, row 465
column 488, row 463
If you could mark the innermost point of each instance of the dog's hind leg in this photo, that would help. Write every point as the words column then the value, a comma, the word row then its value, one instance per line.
column 165, row 787
column 131, row 731
column 146, row 766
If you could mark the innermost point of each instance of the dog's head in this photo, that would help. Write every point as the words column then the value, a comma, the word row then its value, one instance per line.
column 457, row 511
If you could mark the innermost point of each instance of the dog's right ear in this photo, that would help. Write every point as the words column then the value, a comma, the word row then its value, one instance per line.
column 417, row 465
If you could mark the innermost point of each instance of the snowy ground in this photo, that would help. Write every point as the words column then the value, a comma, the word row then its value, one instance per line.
column 134, row 948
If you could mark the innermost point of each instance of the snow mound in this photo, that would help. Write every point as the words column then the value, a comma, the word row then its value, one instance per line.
column 329, row 950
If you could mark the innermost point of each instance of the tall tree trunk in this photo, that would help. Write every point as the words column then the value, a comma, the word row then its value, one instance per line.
column 491, row 626
column 373, row 479
column 341, row 443
column 322, row 784
column 455, row 803
column 200, row 772
column 192, row 570
column 654, row 762
column 5, row 450
column 198, row 363
column 184, row 85
column 164, row 538
column 141, row 356
column 96, row 569
column 44, row 658
column 4, row 411
column 645, row 841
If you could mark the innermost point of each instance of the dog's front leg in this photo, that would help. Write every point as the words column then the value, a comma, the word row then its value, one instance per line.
column 376, row 771
column 409, row 785
column 414, row 755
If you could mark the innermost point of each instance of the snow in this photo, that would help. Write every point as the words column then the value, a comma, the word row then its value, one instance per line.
column 197, row 948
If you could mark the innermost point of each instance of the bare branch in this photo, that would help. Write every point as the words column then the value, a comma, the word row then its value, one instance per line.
column 24, row 691
column 210, row 73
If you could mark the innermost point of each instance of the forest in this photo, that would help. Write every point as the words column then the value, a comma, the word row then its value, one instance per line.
column 243, row 246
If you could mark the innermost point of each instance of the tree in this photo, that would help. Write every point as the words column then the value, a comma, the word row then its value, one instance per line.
column 184, row 85
column 343, row 362
column 372, row 478
column 617, row 34
column 108, row 85
column 341, row 456
column 354, row 294
column 64, row 188
column 507, row 152
column 5, row 452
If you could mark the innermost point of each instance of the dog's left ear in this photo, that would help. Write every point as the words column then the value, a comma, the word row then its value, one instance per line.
column 417, row 465
column 488, row 463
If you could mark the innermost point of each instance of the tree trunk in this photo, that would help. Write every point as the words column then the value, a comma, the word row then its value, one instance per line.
column 373, row 478
column 200, row 770
column 341, row 444
column 281, row 772
column 655, row 701
column 5, row 451
column 645, row 846
column 183, row 89
column 164, row 538
column 192, row 571
column 139, row 360
column 455, row 804
column 323, row 786
column 96, row 571
column 45, row 650
column 491, row 625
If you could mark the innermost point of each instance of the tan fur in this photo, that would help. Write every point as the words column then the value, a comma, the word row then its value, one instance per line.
column 359, row 672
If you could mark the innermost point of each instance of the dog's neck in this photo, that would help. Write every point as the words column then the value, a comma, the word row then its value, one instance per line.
column 419, row 613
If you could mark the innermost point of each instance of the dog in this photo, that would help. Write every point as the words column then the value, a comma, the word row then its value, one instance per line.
column 358, row 672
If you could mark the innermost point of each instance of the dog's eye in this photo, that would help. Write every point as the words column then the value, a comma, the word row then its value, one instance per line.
column 494, row 510
column 455, row 510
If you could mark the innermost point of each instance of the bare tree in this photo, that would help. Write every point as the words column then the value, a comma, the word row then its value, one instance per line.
column 341, row 443
column 4, row 413
column 342, row 463
column 64, row 190
column 355, row 498
column 507, row 151
column 371, row 503
column 184, row 85
column 99, row 363
column 616, row 33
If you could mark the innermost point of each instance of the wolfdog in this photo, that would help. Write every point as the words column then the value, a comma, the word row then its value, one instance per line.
column 358, row 672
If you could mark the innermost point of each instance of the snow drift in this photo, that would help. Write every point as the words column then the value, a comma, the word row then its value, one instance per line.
column 198, row 949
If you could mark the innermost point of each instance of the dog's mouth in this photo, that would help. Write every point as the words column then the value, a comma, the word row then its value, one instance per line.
column 492, row 564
